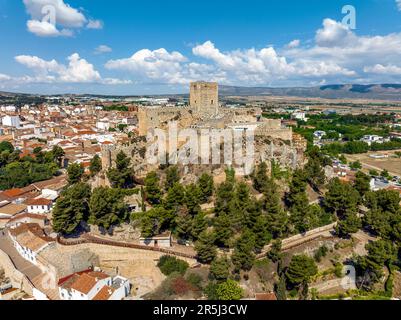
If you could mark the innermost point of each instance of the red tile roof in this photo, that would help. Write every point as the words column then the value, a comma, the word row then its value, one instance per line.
column 38, row 202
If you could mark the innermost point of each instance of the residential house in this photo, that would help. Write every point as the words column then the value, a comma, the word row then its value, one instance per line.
column 93, row 285
column 29, row 240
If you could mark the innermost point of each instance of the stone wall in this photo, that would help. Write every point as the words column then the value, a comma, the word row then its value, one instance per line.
column 150, row 118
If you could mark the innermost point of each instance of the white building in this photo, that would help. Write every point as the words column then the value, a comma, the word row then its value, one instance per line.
column 39, row 205
column 93, row 285
column 103, row 124
column 319, row 134
column 11, row 121
column 29, row 240
column 300, row 115
column 162, row 240
column 369, row 139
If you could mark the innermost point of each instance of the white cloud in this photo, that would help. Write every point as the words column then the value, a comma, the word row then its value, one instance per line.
column 95, row 24
column 46, row 29
column 103, row 49
column 78, row 70
column 159, row 65
column 398, row 4
column 294, row 43
column 380, row 69
column 48, row 15
column 334, row 34
column 265, row 65
column 4, row 77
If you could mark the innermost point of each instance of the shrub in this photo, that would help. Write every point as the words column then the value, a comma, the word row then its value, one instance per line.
column 180, row 286
column 229, row 290
column 168, row 265
column 195, row 280
column 320, row 253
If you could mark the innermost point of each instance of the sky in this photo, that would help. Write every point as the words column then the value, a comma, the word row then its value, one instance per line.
column 126, row 47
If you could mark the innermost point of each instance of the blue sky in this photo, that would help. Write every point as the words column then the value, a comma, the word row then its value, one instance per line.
column 151, row 47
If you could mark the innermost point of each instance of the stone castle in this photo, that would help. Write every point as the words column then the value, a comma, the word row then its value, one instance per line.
column 272, row 140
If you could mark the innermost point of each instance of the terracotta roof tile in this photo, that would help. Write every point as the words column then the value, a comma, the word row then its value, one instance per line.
column 104, row 294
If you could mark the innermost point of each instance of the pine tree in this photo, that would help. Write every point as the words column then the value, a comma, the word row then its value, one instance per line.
column 175, row 197
column 172, row 177
column 205, row 247
column 71, row 208
column 351, row 223
column 206, row 186
column 220, row 269
column 184, row 225
column 95, row 165
column 223, row 230
column 107, row 207
column 75, row 173
column 199, row 224
column 193, row 199
column 243, row 256
column 152, row 188
column 121, row 175
column 275, row 215
column 260, row 177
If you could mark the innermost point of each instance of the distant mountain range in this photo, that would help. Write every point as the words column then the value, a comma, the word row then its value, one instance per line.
column 390, row 92
column 335, row 91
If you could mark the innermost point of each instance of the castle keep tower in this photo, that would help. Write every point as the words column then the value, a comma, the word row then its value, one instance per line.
column 204, row 97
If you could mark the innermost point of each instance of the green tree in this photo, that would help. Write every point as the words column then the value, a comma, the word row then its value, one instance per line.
column 175, row 197
column 57, row 154
column 380, row 253
column 193, row 199
column 220, row 269
column 275, row 215
column 357, row 165
column 351, row 223
column 107, row 207
column 205, row 247
column 223, row 230
column 169, row 265
column 206, row 187
column 71, row 208
column 301, row 269
column 184, row 225
column 95, row 165
column 260, row 177
column 121, row 176
column 243, row 256
column 340, row 198
column 199, row 224
column 75, row 173
column 154, row 221
column 229, row 290
column 172, row 177
column 6, row 146
column 152, row 188
column 224, row 198
column 297, row 186
column 315, row 173
column 362, row 183
column 275, row 252
column 280, row 288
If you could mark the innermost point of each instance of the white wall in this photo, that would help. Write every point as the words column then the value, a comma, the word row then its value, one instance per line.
column 39, row 209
